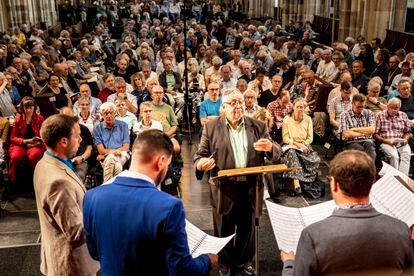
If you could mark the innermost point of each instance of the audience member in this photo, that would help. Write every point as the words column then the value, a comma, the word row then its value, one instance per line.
column 357, row 127
column 210, row 107
column 25, row 142
column 392, row 131
column 297, row 133
column 111, row 138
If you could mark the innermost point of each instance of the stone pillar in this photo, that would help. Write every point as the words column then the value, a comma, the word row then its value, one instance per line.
column 32, row 12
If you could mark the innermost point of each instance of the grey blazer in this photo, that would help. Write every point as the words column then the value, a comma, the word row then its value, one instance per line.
column 354, row 242
column 215, row 138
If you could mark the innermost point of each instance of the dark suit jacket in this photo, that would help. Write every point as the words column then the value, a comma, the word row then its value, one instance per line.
column 215, row 138
column 163, row 81
column 134, row 229
column 354, row 242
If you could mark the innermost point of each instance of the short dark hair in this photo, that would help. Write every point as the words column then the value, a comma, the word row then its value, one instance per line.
column 360, row 98
column 55, row 128
column 377, row 40
column 260, row 70
column 52, row 75
column 149, row 142
column 354, row 171
column 345, row 85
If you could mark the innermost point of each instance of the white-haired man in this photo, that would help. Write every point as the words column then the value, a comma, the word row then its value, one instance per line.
column 111, row 138
column 393, row 130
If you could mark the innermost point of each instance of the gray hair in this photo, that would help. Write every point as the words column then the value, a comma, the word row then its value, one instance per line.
column 107, row 106
column 394, row 101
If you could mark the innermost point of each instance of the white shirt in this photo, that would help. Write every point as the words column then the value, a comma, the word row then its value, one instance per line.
column 139, row 127
column 130, row 174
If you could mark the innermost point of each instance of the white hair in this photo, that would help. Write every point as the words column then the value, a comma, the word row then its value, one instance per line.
column 107, row 106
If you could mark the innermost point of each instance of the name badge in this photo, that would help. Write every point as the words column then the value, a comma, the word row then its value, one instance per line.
column 52, row 99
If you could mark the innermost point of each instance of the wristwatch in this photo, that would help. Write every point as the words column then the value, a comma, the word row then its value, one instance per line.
column 377, row 103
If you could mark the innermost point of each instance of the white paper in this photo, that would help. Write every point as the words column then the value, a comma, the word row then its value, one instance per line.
column 200, row 242
column 94, row 69
column 288, row 222
column 387, row 168
column 288, row 147
column 93, row 79
column 392, row 198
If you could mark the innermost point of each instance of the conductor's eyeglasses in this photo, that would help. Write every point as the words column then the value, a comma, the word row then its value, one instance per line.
column 235, row 103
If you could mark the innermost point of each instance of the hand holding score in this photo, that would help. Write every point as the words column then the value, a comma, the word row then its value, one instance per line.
column 263, row 145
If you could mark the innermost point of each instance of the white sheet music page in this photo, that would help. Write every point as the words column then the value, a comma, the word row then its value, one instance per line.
column 387, row 168
column 390, row 197
column 200, row 242
column 317, row 212
column 287, row 225
column 288, row 222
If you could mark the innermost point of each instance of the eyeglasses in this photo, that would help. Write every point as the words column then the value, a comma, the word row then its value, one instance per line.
column 147, row 111
column 235, row 103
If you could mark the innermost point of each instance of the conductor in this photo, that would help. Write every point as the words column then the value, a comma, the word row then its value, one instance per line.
column 228, row 142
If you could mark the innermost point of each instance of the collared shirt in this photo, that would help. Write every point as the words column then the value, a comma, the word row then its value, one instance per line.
column 94, row 105
column 351, row 120
column 131, row 174
column 238, row 141
column 338, row 106
column 279, row 112
column 231, row 83
column 249, row 112
column 392, row 127
column 128, row 118
column 67, row 162
column 111, row 138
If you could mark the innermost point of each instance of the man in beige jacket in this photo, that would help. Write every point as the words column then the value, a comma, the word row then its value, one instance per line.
column 59, row 195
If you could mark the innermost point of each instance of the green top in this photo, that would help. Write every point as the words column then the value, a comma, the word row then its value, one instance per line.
column 238, row 140
column 165, row 115
column 170, row 80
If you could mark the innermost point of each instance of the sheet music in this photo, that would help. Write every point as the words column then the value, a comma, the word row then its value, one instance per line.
column 317, row 212
column 390, row 197
column 288, row 222
column 201, row 243
column 387, row 168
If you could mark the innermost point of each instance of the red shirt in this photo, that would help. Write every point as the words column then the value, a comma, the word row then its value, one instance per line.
column 104, row 94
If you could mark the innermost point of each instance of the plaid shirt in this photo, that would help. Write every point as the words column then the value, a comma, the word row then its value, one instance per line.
column 350, row 120
column 278, row 112
column 339, row 106
column 392, row 127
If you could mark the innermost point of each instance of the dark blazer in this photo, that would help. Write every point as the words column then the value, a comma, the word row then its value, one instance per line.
column 215, row 138
column 163, row 81
column 354, row 242
column 134, row 229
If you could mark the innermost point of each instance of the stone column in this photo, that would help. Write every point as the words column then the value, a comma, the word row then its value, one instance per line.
column 32, row 12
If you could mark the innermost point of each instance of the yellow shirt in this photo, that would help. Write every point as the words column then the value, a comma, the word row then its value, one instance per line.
column 293, row 131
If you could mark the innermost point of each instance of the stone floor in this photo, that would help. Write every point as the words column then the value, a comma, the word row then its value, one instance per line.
column 20, row 230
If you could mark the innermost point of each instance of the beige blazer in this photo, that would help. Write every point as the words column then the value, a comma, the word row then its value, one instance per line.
column 59, row 195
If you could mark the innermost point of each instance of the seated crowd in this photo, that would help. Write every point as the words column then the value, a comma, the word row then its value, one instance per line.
column 280, row 73
column 116, row 94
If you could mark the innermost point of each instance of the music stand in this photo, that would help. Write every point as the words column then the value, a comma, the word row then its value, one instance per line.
column 260, row 170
